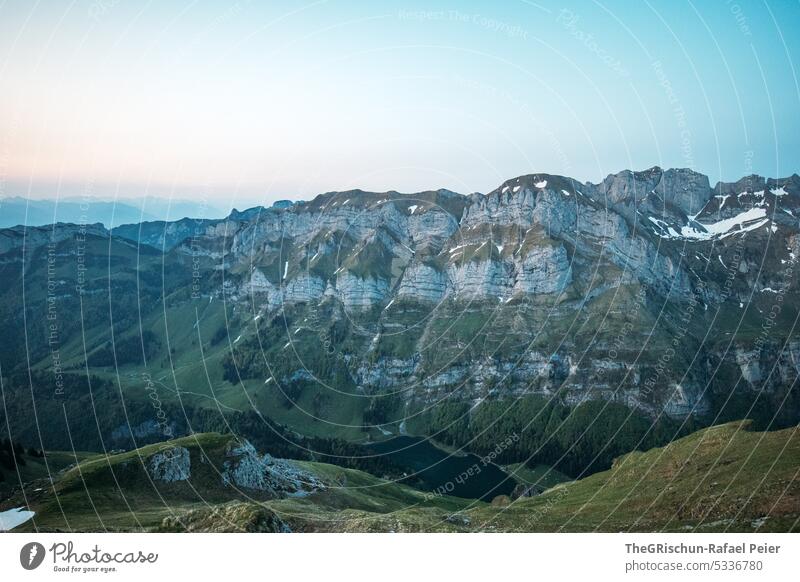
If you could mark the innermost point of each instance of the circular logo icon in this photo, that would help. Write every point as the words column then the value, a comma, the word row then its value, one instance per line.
column 31, row 555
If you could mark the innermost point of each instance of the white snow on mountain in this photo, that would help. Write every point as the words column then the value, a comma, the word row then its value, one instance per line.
column 742, row 222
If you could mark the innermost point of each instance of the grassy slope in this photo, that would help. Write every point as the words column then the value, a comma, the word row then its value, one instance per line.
column 114, row 493
column 721, row 478
column 39, row 467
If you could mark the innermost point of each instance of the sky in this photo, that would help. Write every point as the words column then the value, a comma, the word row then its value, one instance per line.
column 248, row 102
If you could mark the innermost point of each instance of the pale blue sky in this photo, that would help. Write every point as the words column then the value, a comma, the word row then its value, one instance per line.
column 253, row 102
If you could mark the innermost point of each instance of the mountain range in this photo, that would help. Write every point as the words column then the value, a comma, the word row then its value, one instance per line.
column 18, row 211
column 587, row 319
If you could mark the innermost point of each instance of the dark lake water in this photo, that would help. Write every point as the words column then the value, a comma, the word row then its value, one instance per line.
column 437, row 470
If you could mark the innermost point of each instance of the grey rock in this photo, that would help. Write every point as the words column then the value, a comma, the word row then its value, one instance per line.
column 171, row 465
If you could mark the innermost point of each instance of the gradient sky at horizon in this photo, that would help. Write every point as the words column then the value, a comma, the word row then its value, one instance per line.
column 259, row 101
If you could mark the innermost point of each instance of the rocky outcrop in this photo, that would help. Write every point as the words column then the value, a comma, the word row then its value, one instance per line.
column 688, row 190
column 245, row 468
column 171, row 465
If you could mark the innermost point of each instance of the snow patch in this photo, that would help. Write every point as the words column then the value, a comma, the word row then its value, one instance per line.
column 724, row 227
column 413, row 208
column 541, row 184
column 14, row 517
column 671, row 233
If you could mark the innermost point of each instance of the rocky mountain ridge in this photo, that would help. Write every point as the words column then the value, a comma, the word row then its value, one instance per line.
column 650, row 288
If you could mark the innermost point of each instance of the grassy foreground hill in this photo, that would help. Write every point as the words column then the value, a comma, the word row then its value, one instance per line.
column 724, row 478
column 721, row 478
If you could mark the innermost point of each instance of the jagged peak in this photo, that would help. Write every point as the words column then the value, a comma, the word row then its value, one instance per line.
column 247, row 214
column 749, row 183
column 536, row 182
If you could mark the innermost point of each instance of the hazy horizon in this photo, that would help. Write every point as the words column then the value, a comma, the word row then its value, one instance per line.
column 248, row 104
column 238, row 197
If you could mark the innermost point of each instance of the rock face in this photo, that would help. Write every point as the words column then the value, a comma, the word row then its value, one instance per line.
column 246, row 469
column 357, row 292
column 423, row 283
column 170, row 465
column 543, row 270
column 545, row 285
column 479, row 279
column 686, row 189
column 519, row 239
